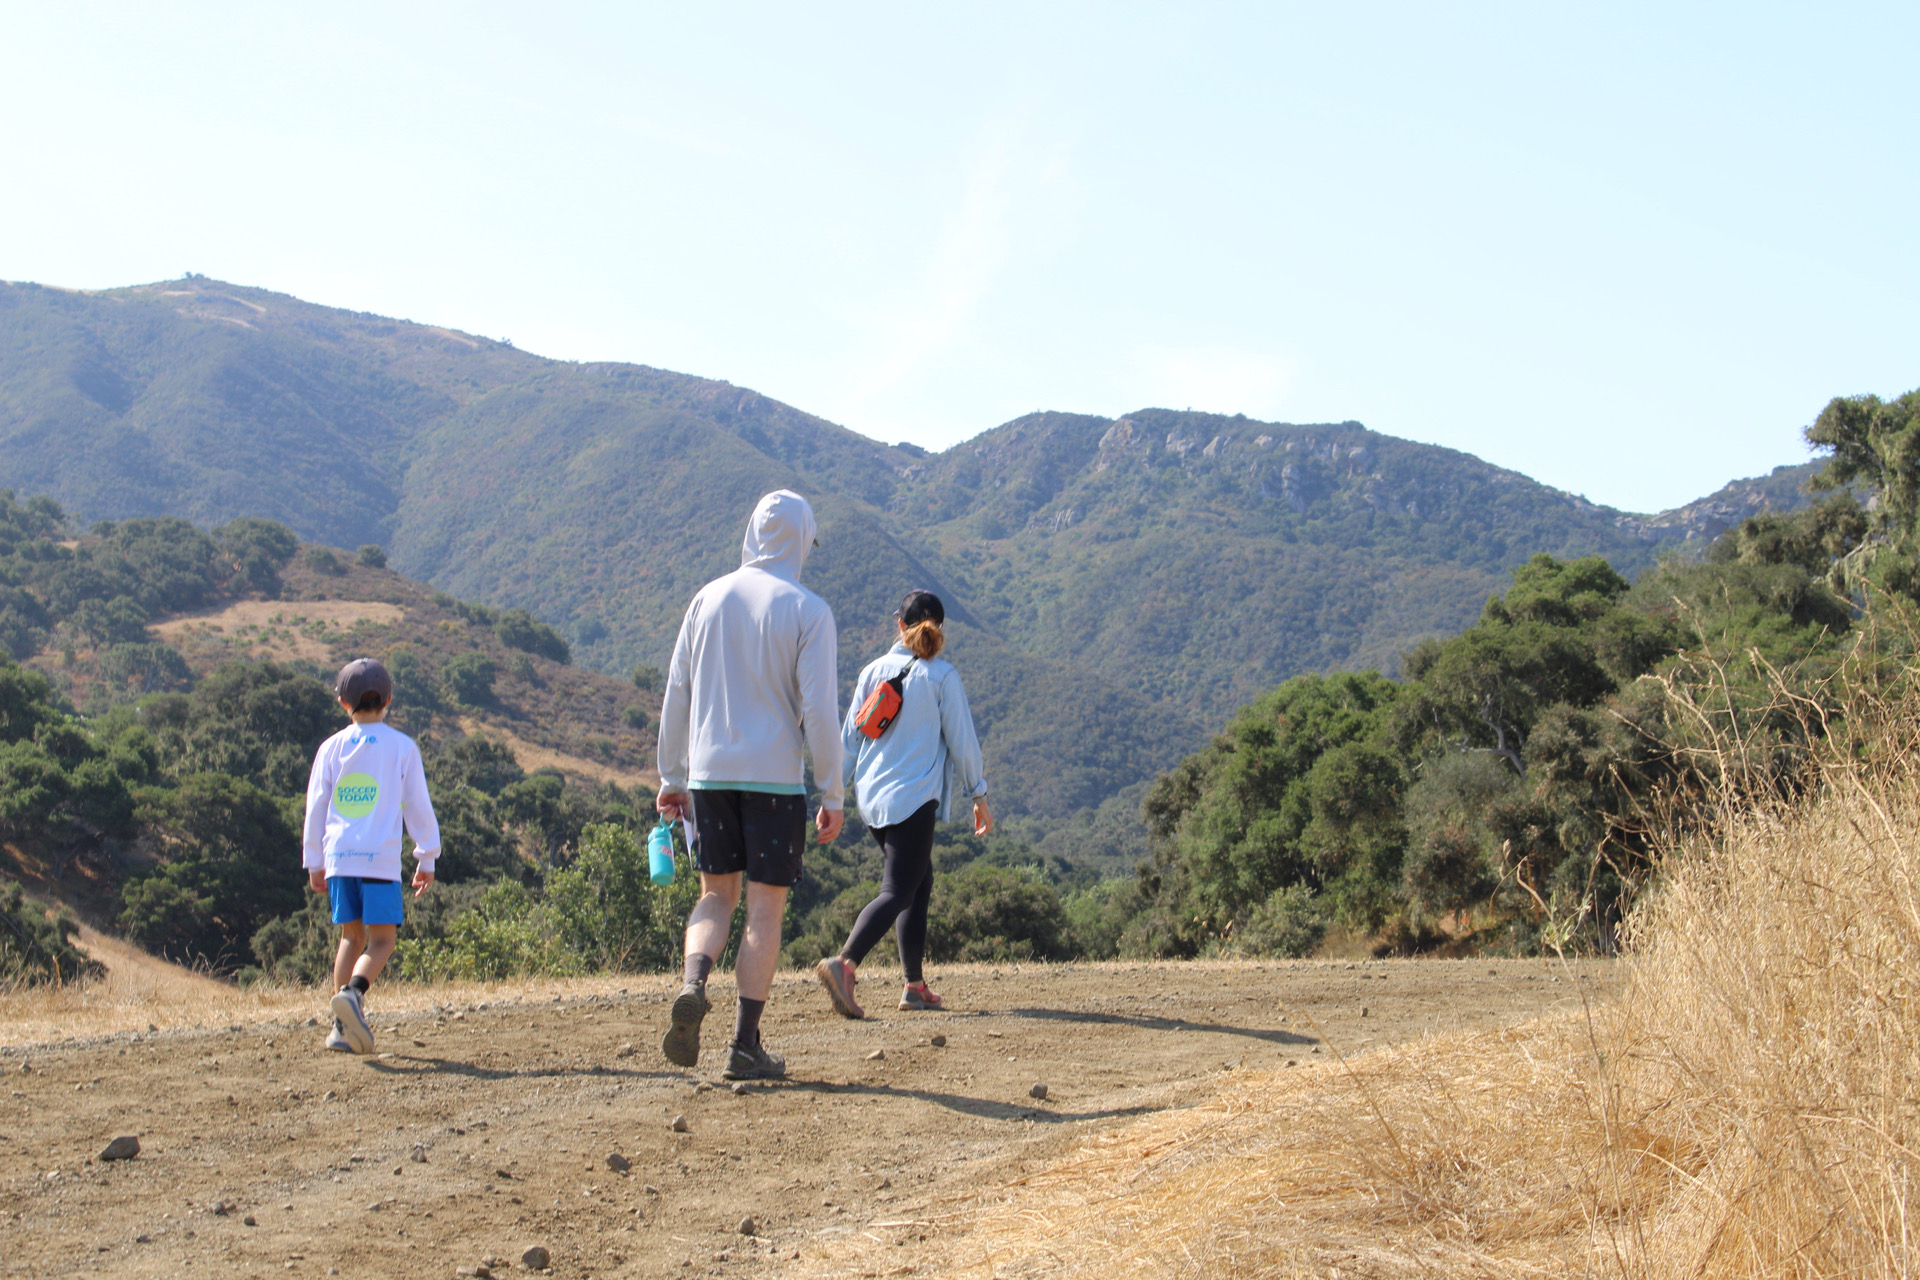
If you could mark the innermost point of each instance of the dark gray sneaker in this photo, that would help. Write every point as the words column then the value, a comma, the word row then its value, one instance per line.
column 682, row 1045
column 753, row 1064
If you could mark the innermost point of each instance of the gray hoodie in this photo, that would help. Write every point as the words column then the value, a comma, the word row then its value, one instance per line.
column 753, row 676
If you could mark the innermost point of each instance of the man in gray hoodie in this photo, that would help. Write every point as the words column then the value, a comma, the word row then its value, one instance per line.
column 752, row 684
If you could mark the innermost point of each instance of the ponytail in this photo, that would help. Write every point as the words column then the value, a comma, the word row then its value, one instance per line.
column 924, row 639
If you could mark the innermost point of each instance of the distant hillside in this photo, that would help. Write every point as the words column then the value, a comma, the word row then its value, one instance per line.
column 1119, row 585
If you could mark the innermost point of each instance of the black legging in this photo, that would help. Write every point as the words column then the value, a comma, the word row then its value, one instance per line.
column 906, row 883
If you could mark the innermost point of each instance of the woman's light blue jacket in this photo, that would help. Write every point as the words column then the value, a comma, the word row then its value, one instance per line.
column 930, row 752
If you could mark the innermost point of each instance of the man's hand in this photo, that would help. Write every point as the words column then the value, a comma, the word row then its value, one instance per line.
column 829, row 822
column 317, row 880
column 982, row 817
column 421, row 879
column 677, row 805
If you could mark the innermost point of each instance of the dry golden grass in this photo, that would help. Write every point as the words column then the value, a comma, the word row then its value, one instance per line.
column 1749, row 1106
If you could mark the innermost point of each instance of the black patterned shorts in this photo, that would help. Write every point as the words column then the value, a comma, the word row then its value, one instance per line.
column 751, row 831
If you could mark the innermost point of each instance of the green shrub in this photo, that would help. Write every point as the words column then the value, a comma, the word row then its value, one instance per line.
column 298, row 947
column 36, row 949
column 1290, row 923
column 518, row 629
column 469, row 678
column 322, row 560
column 995, row 913
column 605, row 910
column 371, row 556
column 503, row 936
column 1098, row 915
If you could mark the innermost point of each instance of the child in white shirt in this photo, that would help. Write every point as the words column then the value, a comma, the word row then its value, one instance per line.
column 366, row 780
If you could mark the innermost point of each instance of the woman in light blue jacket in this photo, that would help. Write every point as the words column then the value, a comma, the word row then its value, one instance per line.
column 904, row 781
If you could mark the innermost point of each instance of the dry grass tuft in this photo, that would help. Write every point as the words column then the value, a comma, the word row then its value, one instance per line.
column 1748, row 1107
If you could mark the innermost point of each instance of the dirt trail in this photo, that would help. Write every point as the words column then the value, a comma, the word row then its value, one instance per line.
column 484, row 1127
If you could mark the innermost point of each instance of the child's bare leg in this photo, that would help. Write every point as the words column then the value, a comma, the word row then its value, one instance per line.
column 380, row 942
column 353, row 941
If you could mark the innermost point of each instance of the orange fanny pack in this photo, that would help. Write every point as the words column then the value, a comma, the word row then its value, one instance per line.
column 882, row 706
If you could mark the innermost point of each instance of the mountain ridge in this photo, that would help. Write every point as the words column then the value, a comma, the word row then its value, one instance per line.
column 1117, row 585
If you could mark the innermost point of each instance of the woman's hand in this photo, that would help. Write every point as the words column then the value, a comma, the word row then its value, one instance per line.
column 982, row 817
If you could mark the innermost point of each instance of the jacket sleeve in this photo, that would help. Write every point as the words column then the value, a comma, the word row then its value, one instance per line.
column 313, row 832
column 416, row 810
column 819, row 678
column 963, row 744
column 676, row 709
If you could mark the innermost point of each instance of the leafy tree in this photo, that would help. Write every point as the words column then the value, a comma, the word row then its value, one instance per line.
column 229, row 868
column 476, row 761
column 120, row 620
column 1875, row 444
column 252, row 552
column 518, row 629
column 371, row 556
column 1248, row 816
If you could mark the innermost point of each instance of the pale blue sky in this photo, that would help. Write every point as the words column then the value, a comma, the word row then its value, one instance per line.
column 1628, row 249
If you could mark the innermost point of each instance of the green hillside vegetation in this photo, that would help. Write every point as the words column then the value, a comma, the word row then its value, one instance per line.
column 1117, row 586
column 1508, row 791
column 155, row 743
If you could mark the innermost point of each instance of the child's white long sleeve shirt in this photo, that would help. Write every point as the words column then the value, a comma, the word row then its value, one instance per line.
column 367, row 779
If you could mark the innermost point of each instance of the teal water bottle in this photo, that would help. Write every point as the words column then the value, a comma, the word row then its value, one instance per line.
column 660, row 853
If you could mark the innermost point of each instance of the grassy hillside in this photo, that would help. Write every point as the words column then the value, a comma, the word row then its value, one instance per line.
column 1119, row 586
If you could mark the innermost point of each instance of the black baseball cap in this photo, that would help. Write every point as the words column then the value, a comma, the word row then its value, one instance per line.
column 362, row 676
column 921, row 606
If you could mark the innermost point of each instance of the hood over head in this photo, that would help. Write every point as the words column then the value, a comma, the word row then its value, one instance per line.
column 779, row 534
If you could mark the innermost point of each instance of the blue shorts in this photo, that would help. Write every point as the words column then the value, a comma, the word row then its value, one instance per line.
column 362, row 901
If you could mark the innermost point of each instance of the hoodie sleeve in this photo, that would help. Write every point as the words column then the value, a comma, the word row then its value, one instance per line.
column 818, row 672
column 963, row 744
column 676, row 709
column 416, row 810
column 313, row 834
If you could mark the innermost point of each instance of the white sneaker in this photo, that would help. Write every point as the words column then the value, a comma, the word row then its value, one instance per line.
column 353, row 1020
column 337, row 1039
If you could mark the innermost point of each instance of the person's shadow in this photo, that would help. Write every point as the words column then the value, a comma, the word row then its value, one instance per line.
column 1149, row 1023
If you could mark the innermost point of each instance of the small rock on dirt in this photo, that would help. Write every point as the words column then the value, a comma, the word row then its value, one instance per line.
column 124, row 1147
column 618, row 1163
column 748, row 1227
column 679, row 1124
column 483, row 1272
column 650, row 1190
column 878, row 1055
column 1363, row 1011
column 419, row 1154
column 248, row 1221
column 705, row 1086
column 536, row 1258
column 740, row 1088
column 625, row 1051
column 1039, row 1091
column 938, row 1042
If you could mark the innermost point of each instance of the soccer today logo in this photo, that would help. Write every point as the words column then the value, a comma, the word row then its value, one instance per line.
column 354, row 795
